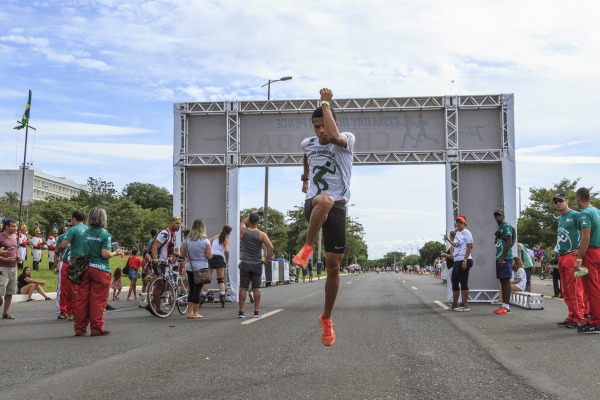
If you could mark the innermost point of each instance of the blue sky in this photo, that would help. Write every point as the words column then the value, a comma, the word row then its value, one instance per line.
column 105, row 75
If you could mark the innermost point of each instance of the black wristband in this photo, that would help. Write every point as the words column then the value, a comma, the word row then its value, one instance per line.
column 304, row 178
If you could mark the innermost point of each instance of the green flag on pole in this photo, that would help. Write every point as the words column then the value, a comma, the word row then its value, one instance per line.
column 25, row 120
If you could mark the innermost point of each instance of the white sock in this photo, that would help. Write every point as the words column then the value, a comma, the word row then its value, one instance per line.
column 506, row 306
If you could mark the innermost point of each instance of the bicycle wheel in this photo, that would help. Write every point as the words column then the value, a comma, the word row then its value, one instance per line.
column 543, row 276
column 161, row 298
column 183, row 288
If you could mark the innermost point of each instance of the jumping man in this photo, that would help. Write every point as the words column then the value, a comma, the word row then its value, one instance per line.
column 328, row 167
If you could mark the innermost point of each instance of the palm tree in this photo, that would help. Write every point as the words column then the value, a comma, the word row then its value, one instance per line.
column 12, row 198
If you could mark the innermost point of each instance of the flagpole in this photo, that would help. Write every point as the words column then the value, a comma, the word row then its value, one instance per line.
column 23, row 167
column 22, row 183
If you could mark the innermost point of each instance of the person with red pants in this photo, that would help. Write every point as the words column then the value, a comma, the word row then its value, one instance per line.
column 589, row 258
column 568, row 245
column 95, row 284
column 64, row 298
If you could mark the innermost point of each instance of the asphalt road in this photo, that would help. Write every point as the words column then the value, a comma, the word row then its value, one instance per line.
column 393, row 342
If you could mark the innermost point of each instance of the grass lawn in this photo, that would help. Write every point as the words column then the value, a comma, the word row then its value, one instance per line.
column 44, row 274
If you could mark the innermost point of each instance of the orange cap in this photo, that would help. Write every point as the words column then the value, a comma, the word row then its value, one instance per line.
column 462, row 219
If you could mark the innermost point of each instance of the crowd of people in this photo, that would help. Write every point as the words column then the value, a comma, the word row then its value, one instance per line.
column 575, row 263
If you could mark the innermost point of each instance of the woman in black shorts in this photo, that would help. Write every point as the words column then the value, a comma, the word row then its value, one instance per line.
column 220, row 259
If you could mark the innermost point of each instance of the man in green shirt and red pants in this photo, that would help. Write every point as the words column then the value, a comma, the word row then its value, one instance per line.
column 568, row 248
column 589, row 258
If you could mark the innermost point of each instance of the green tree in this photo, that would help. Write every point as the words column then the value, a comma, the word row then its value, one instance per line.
column 356, row 248
column 391, row 258
column 11, row 198
column 412, row 259
column 50, row 212
column 101, row 193
column 125, row 222
column 147, row 195
column 430, row 251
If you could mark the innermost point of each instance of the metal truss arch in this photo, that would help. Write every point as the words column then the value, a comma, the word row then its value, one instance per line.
column 471, row 135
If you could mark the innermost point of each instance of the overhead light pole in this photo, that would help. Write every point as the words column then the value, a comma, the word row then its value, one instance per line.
column 266, row 206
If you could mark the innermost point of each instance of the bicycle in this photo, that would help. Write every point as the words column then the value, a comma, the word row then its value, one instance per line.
column 166, row 291
column 546, row 272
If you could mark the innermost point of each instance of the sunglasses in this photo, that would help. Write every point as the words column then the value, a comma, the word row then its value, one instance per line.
column 556, row 201
column 459, row 222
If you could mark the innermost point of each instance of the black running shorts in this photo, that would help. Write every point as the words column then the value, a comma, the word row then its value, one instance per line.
column 334, row 228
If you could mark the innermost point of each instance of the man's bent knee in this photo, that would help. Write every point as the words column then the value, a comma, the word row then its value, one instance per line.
column 323, row 200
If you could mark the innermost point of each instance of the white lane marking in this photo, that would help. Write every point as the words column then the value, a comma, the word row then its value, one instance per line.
column 403, row 281
column 414, row 287
column 348, row 283
column 263, row 316
column 439, row 303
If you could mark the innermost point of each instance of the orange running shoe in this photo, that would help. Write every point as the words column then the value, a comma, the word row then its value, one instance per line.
column 301, row 259
column 502, row 311
column 328, row 335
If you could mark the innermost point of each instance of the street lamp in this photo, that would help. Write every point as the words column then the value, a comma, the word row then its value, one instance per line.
column 268, row 84
column 265, row 208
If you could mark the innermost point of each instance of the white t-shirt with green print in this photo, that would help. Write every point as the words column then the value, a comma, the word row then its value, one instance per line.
column 330, row 167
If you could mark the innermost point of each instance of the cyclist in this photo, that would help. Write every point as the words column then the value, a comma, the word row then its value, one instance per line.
column 163, row 250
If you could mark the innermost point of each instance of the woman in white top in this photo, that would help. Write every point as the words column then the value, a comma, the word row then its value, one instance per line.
column 220, row 250
column 463, row 262
column 197, row 251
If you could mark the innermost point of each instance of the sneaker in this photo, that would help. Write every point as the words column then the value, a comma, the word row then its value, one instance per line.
column 496, row 302
column 460, row 309
column 562, row 323
column 589, row 329
column 109, row 307
column 256, row 314
column 583, row 271
column 573, row 325
column 241, row 314
column 453, row 308
column 301, row 259
column 465, row 308
column 71, row 317
column 502, row 311
column 328, row 335
column 61, row 316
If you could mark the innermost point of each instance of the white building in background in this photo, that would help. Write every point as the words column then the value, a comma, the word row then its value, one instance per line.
column 38, row 185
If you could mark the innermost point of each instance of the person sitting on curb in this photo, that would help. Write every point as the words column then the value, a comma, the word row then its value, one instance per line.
column 26, row 285
column 519, row 282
